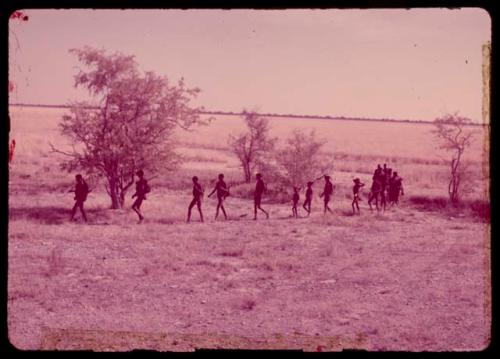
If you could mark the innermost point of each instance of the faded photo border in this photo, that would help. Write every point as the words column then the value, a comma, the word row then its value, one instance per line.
column 76, row 339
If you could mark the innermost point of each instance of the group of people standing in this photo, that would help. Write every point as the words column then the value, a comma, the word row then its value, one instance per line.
column 386, row 188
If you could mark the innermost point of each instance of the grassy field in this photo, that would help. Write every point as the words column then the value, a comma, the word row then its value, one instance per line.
column 416, row 277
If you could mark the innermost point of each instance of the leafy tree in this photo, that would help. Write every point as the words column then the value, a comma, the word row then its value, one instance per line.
column 455, row 137
column 254, row 147
column 130, row 124
column 301, row 160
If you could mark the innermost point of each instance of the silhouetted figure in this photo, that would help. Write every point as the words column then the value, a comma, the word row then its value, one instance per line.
column 355, row 191
column 222, row 192
column 81, row 191
column 396, row 188
column 309, row 196
column 377, row 172
column 295, row 201
column 197, row 196
column 260, row 188
column 141, row 189
column 327, row 194
column 376, row 188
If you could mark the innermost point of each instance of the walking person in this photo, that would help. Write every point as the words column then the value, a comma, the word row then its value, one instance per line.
column 141, row 189
column 327, row 193
column 222, row 192
column 355, row 191
column 81, row 191
column 397, row 188
column 197, row 196
column 260, row 188
column 376, row 188
column 377, row 171
column 309, row 197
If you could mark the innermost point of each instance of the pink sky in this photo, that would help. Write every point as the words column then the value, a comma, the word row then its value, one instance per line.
column 406, row 64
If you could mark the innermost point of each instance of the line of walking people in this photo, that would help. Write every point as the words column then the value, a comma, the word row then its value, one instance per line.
column 386, row 188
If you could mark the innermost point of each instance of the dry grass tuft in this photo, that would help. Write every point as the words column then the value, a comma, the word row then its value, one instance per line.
column 234, row 253
column 248, row 304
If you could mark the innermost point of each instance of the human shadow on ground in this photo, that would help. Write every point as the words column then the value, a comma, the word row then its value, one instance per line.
column 51, row 214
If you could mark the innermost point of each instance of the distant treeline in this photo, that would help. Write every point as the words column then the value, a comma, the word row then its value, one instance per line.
column 230, row 113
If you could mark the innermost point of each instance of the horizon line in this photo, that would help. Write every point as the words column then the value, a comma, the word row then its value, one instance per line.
column 232, row 113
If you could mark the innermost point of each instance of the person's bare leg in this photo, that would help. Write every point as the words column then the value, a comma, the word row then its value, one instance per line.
column 138, row 211
column 370, row 198
column 141, row 216
column 328, row 208
column 73, row 211
column 223, row 211
column 199, row 210
column 267, row 214
column 83, row 212
column 191, row 205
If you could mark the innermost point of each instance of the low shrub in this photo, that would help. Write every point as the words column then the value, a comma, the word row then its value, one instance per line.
column 477, row 209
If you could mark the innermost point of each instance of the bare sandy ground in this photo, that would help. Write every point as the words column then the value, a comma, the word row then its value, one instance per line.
column 402, row 280
column 405, row 280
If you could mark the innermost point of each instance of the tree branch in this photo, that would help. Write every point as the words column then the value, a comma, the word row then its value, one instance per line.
column 55, row 150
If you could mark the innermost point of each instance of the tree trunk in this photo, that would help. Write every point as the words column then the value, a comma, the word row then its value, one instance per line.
column 122, row 198
column 114, row 194
column 248, row 174
column 453, row 186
